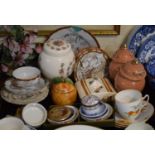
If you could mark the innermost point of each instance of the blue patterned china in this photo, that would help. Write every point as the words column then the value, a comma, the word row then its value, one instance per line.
column 150, row 67
column 138, row 35
column 92, row 107
column 147, row 50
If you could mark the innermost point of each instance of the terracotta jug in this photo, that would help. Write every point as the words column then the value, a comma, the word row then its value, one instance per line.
column 131, row 76
column 122, row 56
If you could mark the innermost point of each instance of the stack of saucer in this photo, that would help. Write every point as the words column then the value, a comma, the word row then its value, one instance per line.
column 60, row 115
column 92, row 109
column 25, row 87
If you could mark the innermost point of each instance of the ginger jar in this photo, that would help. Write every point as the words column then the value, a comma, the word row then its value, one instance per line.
column 57, row 59
column 131, row 76
column 121, row 57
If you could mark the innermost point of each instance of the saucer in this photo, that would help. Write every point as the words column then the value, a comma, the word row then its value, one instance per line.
column 18, row 99
column 144, row 116
column 27, row 90
column 101, row 118
column 96, row 115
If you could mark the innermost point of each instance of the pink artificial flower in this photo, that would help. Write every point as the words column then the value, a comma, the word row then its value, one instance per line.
column 26, row 48
column 4, row 68
column 39, row 49
column 20, row 59
column 30, row 38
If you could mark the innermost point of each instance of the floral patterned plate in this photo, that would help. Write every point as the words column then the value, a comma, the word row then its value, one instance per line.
column 145, row 115
column 91, row 62
column 147, row 50
column 76, row 36
column 138, row 35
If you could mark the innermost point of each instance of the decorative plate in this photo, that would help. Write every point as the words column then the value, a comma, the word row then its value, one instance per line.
column 145, row 115
column 101, row 118
column 76, row 36
column 147, row 50
column 90, row 63
column 138, row 35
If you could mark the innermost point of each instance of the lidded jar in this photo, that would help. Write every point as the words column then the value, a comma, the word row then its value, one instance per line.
column 131, row 76
column 122, row 56
column 57, row 59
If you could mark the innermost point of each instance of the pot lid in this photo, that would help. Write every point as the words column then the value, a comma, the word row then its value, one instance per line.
column 133, row 70
column 90, row 101
column 123, row 55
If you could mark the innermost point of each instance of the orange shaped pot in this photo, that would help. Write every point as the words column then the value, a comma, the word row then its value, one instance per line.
column 131, row 76
column 63, row 93
column 121, row 57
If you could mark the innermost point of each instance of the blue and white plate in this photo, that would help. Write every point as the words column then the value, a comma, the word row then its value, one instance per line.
column 138, row 35
column 147, row 50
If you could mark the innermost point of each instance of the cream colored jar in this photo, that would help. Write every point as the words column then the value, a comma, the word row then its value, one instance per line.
column 57, row 59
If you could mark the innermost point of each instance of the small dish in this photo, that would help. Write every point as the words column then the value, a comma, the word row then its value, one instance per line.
column 59, row 113
column 26, row 73
column 34, row 114
column 71, row 119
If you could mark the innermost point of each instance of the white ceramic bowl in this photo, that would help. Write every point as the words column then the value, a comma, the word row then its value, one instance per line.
column 34, row 114
column 26, row 73
column 11, row 123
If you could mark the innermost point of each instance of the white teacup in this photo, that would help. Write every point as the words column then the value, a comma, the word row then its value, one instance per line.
column 11, row 123
column 129, row 103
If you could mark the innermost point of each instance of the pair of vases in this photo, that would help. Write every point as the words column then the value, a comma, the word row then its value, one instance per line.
column 126, row 71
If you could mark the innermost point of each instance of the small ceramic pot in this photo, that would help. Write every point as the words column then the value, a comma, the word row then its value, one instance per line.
column 63, row 94
column 121, row 57
column 57, row 59
column 131, row 76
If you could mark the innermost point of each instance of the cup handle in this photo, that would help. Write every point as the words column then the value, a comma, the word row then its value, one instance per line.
column 146, row 98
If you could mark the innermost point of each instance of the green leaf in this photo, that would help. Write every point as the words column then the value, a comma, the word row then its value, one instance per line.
column 57, row 80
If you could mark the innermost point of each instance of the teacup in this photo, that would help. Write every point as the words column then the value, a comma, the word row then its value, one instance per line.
column 130, row 102
column 11, row 123
column 26, row 76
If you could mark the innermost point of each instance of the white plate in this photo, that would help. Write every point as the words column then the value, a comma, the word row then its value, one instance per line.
column 104, row 117
column 76, row 36
column 145, row 115
column 90, row 62
column 78, row 127
column 34, row 114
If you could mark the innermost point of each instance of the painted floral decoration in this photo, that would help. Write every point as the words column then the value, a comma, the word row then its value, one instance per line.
column 17, row 48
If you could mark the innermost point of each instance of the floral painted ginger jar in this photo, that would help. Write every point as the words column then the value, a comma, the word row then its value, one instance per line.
column 63, row 92
column 131, row 76
column 121, row 57
column 57, row 59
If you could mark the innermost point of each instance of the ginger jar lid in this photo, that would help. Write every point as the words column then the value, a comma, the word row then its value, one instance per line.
column 123, row 55
column 133, row 70
column 57, row 47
